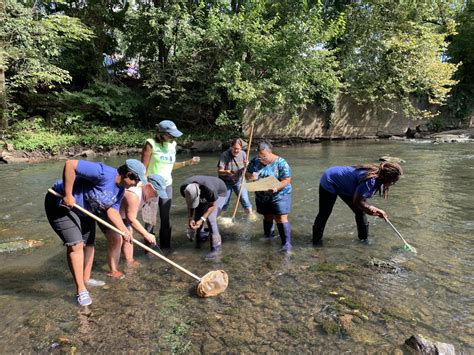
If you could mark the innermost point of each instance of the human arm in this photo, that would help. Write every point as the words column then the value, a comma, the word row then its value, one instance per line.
column 69, row 176
column 197, row 224
column 281, row 186
column 182, row 164
column 361, row 202
column 146, row 155
column 131, row 204
column 114, row 216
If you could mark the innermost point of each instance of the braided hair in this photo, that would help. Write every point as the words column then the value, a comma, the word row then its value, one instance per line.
column 382, row 172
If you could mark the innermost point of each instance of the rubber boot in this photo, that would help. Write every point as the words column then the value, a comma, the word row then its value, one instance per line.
column 268, row 230
column 165, row 238
column 363, row 232
column 285, row 236
column 216, row 250
column 317, row 236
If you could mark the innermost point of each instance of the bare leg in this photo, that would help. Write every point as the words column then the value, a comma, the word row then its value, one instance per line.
column 114, row 246
column 75, row 260
column 127, row 250
column 89, row 252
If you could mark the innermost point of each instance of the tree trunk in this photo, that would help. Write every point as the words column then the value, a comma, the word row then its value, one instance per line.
column 3, row 88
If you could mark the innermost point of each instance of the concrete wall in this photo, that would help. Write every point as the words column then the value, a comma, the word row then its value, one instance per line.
column 349, row 120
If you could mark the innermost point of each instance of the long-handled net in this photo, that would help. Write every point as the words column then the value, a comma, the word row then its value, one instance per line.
column 406, row 246
column 211, row 284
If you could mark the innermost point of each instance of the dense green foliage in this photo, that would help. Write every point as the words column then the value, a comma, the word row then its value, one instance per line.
column 100, row 66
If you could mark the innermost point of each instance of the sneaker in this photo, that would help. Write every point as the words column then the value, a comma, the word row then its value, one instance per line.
column 83, row 298
column 94, row 283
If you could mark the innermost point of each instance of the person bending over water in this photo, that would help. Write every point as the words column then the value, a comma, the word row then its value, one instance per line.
column 230, row 167
column 99, row 189
column 205, row 196
column 159, row 157
column 134, row 200
column 354, row 185
column 273, row 204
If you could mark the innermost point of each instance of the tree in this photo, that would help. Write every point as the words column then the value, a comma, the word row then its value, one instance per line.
column 461, row 53
column 33, row 43
column 220, row 58
column 395, row 52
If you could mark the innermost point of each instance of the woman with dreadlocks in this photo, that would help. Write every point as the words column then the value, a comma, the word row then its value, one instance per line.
column 354, row 185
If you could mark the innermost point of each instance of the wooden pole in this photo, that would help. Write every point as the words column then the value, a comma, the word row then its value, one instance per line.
column 243, row 172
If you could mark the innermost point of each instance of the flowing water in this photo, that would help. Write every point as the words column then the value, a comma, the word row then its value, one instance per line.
column 322, row 300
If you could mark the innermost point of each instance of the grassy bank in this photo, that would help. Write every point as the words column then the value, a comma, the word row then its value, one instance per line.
column 33, row 135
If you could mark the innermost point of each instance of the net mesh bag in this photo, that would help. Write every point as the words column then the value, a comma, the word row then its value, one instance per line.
column 213, row 283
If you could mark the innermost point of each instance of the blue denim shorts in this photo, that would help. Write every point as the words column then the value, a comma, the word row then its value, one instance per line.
column 279, row 207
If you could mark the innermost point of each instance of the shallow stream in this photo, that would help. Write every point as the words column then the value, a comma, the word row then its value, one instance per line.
column 324, row 300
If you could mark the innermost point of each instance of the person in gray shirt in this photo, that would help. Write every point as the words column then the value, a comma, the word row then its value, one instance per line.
column 205, row 196
column 230, row 167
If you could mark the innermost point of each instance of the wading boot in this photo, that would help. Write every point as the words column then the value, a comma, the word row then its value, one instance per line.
column 285, row 236
column 363, row 233
column 268, row 230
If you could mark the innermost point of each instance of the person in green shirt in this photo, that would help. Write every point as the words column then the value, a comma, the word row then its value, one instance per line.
column 159, row 157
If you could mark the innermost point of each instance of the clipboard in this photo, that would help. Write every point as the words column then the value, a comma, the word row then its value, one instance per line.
column 264, row 184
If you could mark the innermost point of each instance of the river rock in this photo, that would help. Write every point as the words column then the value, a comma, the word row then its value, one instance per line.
column 382, row 265
column 450, row 138
column 20, row 245
column 207, row 146
column 429, row 347
column 390, row 159
column 89, row 153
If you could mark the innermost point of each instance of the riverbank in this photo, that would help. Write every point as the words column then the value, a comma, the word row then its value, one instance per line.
column 10, row 155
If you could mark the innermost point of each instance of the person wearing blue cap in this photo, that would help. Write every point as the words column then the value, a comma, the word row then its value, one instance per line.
column 136, row 197
column 159, row 157
column 98, row 188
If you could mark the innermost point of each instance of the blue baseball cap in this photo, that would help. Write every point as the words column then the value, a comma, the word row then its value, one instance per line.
column 136, row 166
column 169, row 127
column 159, row 184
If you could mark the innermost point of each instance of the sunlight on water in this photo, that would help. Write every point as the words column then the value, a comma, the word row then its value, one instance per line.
column 314, row 300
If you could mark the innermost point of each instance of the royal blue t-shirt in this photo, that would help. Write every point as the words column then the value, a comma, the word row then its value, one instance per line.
column 347, row 180
column 279, row 168
column 94, row 187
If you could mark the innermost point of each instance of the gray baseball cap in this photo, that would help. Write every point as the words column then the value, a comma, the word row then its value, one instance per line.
column 191, row 194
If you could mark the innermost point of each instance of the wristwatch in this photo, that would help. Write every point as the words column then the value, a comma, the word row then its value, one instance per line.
column 203, row 218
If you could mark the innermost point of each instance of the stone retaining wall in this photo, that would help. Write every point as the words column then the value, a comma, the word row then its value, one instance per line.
column 350, row 120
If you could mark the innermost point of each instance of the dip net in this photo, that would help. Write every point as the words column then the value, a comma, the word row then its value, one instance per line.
column 212, row 284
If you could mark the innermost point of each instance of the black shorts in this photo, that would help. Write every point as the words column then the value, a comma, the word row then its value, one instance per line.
column 71, row 227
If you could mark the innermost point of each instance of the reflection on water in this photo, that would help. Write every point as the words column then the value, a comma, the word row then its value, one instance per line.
column 315, row 300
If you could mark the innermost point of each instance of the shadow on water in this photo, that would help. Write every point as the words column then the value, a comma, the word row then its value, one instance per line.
column 315, row 300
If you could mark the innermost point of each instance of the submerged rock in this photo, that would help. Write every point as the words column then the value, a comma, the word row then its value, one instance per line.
column 429, row 347
column 20, row 245
column 387, row 266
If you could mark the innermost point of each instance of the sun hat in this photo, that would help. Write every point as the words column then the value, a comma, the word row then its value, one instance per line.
column 159, row 184
column 169, row 127
column 191, row 194
column 136, row 166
